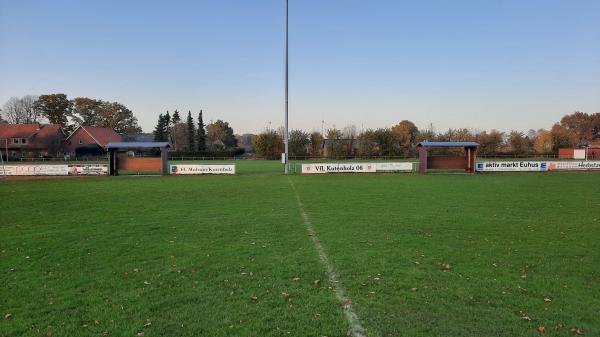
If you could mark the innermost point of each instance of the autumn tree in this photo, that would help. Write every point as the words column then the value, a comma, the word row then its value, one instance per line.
column 334, row 143
column 349, row 135
column 563, row 137
column 458, row 135
column 596, row 125
column 582, row 126
column 298, row 143
column 519, row 143
column 428, row 134
column 85, row 111
column 367, row 143
column 220, row 135
column 316, row 144
column 201, row 134
column 268, row 144
column 104, row 114
column 55, row 107
column 406, row 134
column 113, row 115
column 386, row 144
column 543, row 142
column 489, row 143
column 191, row 132
column 116, row 116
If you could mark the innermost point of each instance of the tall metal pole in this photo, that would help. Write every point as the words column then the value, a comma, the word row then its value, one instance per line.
column 285, row 135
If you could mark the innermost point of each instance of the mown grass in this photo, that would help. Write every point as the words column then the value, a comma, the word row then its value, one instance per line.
column 230, row 255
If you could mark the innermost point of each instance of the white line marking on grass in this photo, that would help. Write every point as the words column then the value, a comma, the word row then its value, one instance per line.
column 355, row 327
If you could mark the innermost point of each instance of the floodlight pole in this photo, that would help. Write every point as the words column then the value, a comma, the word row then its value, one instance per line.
column 285, row 132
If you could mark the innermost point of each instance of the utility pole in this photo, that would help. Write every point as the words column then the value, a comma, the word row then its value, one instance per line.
column 285, row 134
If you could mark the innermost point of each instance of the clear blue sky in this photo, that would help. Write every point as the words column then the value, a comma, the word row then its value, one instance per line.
column 478, row 64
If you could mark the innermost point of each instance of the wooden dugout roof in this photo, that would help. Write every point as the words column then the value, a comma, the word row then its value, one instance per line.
column 448, row 144
column 126, row 146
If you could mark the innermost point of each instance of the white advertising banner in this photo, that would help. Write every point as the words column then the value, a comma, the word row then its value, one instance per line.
column 201, row 169
column 394, row 167
column 88, row 170
column 339, row 168
column 574, row 165
column 34, row 170
column 511, row 166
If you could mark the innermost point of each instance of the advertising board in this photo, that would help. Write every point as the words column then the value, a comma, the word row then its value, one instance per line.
column 511, row 166
column 322, row 168
column 573, row 165
column 201, row 169
column 88, row 170
column 34, row 170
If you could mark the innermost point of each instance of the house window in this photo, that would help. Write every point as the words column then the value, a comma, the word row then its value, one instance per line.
column 23, row 140
column 16, row 140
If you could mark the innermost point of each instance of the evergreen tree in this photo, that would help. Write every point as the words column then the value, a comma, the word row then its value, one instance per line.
column 167, row 118
column 167, row 123
column 160, row 131
column 191, row 132
column 201, row 134
column 176, row 118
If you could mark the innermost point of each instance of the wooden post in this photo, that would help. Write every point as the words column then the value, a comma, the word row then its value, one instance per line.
column 470, row 159
column 164, row 155
column 112, row 162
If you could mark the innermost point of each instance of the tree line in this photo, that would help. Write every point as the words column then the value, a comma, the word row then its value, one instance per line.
column 193, row 136
column 58, row 109
column 574, row 130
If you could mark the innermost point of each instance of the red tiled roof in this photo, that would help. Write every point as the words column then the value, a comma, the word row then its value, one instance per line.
column 49, row 130
column 38, row 136
column 102, row 136
column 18, row 130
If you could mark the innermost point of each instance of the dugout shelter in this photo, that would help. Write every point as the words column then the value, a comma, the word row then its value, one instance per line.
column 447, row 162
column 155, row 158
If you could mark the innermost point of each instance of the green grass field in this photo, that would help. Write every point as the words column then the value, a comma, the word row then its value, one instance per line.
column 435, row 255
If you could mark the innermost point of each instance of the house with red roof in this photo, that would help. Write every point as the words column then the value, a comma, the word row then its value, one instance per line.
column 32, row 140
column 90, row 140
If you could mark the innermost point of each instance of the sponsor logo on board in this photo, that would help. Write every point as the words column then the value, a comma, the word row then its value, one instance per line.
column 511, row 166
column 54, row 170
column 34, row 170
column 88, row 170
column 574, row 165
column 202, row 169
column 356, row 168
